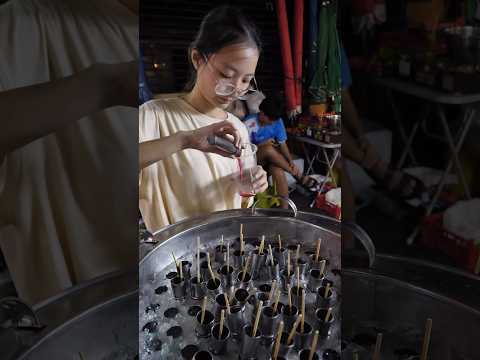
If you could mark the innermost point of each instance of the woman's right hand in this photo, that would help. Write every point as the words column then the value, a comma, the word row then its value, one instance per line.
column 197, row 139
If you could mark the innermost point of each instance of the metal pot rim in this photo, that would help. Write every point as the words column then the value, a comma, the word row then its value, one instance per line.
column 190, row 224
column 406, row 285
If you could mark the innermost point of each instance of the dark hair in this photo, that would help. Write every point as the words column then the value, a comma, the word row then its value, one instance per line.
column 273, row 106
column 224, row 25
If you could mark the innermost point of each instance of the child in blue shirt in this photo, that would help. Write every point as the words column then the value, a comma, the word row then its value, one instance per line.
column 262, row 129
column 263, row 118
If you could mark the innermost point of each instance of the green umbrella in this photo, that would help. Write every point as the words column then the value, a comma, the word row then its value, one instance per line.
column 326, row 81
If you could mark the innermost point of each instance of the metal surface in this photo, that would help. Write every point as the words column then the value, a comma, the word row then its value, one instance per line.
column 399, row 295
column 462, row 41
column 364, row 239
column 182, row 236
column 93, row 320
column 103, row 332
column 224, row 144
column 453, row 283
column 15, row 313
column 181, row 239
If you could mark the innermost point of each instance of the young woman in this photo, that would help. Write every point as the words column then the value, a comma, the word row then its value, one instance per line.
column 189, row 182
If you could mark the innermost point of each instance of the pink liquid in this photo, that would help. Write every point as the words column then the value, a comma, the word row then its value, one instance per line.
column 245, row 194
column 242, row 193
column 240, row 166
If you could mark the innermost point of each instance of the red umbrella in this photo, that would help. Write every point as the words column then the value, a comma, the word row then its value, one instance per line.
column 286, row 52
column 298, row 51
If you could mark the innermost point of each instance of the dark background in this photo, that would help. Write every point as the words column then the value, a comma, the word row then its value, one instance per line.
column 168, row 27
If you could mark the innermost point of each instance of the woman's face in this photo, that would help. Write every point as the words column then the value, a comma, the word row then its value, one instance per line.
column 234, row 63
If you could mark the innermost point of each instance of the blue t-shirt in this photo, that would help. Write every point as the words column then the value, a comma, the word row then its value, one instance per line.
column 345, row 69
column 261, row 133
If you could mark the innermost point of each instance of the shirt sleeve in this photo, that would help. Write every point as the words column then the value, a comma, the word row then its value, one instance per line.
column 148, row 128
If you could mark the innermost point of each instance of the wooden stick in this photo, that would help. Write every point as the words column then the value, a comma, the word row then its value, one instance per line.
column 221, row 242
column 279, row 241
column 322, row 266
column 277, row 298
column 378, row 345
column 210, row 267
column 289, row 296
column 204, row 305
column 222, row 319
column 297, row 255
column 227, row 303
column 317, row 252
column 288, row 263
column 272, row 290
column 294, row 328
column 313, row 348
column 277, row 340
column 175, row 261
column 246, row 268
column 270, row 251
column 327, row 289
column 302, row 324
column 257, row 318
column 198, row 259
column 426, row 339
column 327, row 316
column 298, row 280
column 262, row 245
column 242, row 246
column 355, row 356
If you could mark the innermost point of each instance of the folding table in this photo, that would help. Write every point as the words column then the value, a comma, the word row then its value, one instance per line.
column 435, row 100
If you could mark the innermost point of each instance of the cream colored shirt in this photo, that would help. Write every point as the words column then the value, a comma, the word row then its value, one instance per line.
column 189, row 182
column 68, row 201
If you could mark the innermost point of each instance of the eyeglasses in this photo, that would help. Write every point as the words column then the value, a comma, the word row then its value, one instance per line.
column 224, row 87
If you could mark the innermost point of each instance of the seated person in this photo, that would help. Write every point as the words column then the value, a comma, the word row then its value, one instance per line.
column 357, row 148
column 262, row 117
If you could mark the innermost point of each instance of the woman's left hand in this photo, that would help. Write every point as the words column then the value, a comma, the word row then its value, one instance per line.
column 260, row 179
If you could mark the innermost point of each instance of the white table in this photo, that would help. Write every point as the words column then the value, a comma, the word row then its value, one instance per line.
column 321, row 150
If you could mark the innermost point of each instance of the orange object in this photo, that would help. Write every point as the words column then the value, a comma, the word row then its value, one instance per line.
column 426, row 14
column 318, row 109
column 286, row 51
column 298, row 50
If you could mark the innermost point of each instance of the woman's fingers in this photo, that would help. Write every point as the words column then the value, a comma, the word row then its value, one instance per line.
column 260, row 180
column 223, row 129
column 231, row 134
column 228, row 131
